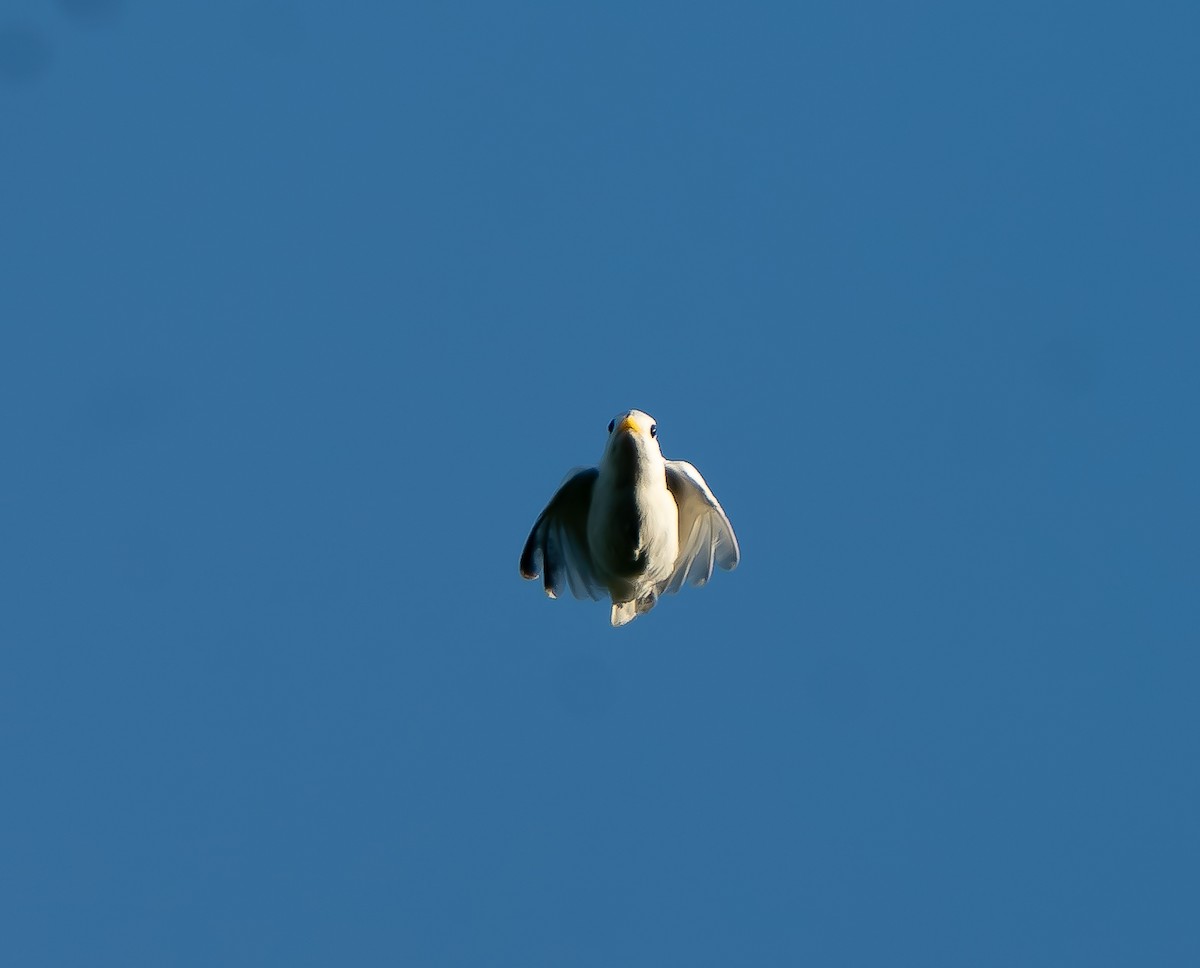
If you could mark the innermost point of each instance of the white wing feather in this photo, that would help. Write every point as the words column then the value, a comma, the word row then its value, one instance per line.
column 706, row 537
column 557, row 547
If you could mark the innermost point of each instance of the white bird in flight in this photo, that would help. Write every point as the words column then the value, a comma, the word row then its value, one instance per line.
column 634, row 528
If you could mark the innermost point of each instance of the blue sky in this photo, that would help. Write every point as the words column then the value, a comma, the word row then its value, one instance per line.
column 308, row 310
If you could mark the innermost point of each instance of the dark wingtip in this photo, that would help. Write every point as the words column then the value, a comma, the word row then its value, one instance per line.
column 529, row 570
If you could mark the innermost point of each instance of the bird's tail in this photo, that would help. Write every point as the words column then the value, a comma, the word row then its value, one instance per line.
column 625, row 612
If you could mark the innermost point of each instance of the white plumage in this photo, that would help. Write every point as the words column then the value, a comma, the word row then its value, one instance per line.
column 636, row 527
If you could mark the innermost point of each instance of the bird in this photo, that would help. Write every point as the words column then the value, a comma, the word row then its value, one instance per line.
column 634, row 528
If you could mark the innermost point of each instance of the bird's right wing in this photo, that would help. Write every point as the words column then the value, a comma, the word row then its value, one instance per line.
column 557, row 547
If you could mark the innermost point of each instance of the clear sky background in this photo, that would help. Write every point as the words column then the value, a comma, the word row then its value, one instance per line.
column 307, row 308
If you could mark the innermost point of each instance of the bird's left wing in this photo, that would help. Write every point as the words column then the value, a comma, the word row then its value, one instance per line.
column 705, row 535
column 557, row 547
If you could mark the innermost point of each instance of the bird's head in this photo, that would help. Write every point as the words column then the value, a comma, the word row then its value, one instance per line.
column 632, row 439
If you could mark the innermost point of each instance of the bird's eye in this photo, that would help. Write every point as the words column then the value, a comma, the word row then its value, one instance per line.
column 654, row 430
column 611, row 424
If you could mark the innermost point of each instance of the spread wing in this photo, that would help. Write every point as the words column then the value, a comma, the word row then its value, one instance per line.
column 557, row 547
column 705, row 535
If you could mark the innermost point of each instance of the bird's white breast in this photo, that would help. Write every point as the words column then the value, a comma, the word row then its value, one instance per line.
column 633, row 531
